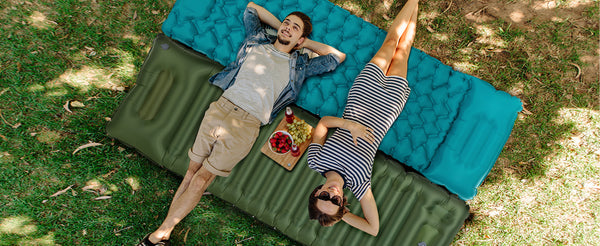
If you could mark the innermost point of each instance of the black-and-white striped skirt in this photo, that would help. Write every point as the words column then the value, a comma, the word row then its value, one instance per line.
column 376, row 100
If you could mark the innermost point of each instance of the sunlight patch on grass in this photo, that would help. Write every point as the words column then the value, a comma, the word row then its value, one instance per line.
column 135, row 38
column 134, row 183
column 45, row 240
column 428, row 16
column 486, row 35
column 352, row 7
column 20, row 225
column 441, row 37
column 544, row 5
column 6, row 157
column 465, row 67
column 36, row 88
column 100, row 187
column 48, row 136
column 517, row 16
column 560, row 207
column 39, row 20
column 84, row 79
column 125, row 69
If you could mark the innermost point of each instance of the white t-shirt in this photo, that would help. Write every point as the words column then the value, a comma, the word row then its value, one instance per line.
column 262, row 77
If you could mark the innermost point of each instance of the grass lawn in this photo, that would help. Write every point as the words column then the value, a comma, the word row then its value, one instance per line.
column 65, row 66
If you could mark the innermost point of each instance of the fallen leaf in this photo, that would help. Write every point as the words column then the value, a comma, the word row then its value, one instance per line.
column 155, row 12
column 77, row 104
column 109, row 173
column 60, row 192
column 186, row 235
column 66, row 106
column 86, row 146
column 15, row 126
column 102, row 198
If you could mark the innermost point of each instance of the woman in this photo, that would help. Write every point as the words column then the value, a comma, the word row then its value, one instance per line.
column 374, row 102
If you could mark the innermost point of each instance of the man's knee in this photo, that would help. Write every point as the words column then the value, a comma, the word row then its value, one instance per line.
column 201, row 179
column 193, row 167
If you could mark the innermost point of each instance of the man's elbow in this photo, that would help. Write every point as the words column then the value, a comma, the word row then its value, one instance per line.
column 342, row 57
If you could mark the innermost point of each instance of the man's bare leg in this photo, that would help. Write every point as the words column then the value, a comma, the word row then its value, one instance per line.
column 184, row 204
column 193, row 167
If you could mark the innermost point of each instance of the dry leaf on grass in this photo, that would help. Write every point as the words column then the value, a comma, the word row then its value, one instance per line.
column 3, row 91
column 15, row 126
column 66, row 107
column 60, row 192
column 77, row 104
column 102, row 198
column 86, row 146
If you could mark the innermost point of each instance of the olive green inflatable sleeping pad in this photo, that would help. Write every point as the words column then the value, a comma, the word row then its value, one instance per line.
column 160, row 117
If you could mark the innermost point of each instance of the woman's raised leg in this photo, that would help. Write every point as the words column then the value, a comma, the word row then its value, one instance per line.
column 399, row 64
column 384, row 56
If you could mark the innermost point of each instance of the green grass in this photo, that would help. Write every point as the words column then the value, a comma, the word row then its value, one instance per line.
column 544, row 189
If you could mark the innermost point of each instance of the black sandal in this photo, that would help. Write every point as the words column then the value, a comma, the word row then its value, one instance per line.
column 146, row 242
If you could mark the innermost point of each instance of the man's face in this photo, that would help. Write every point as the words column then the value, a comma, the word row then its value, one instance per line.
column 290, row 31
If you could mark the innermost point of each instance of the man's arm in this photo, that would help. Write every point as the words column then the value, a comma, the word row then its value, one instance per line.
column 265, row 16
column 322, row 49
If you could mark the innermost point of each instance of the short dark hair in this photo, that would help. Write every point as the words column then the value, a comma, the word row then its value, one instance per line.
column 305, row 20
column 325, row 219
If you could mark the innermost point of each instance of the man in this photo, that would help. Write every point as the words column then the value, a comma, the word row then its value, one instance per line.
column 265, row 77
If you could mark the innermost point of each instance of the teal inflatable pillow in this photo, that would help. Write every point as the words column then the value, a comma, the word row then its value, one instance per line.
column 437, row 99
column 483, row 124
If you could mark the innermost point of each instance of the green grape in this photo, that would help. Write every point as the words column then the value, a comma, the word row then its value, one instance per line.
column 300, row 131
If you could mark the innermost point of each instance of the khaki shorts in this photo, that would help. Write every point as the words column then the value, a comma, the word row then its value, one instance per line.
column 225, row 137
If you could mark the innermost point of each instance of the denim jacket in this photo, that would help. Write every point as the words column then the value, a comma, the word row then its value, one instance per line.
column 301, row 66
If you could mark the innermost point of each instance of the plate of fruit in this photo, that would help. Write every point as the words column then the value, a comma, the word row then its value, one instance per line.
column 280, row 142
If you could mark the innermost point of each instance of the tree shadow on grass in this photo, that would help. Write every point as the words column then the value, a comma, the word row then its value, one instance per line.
column 57, row 53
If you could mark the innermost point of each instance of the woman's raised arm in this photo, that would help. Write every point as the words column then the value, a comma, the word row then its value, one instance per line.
column 370, row 223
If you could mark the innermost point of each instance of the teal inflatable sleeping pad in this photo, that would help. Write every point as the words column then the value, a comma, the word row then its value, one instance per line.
column 453, row 126
column 160, row 117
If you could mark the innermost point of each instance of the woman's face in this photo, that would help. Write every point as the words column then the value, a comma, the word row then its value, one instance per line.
column 330, row 198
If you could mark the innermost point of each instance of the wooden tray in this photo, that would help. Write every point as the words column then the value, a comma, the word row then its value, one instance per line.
column 286, row 160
